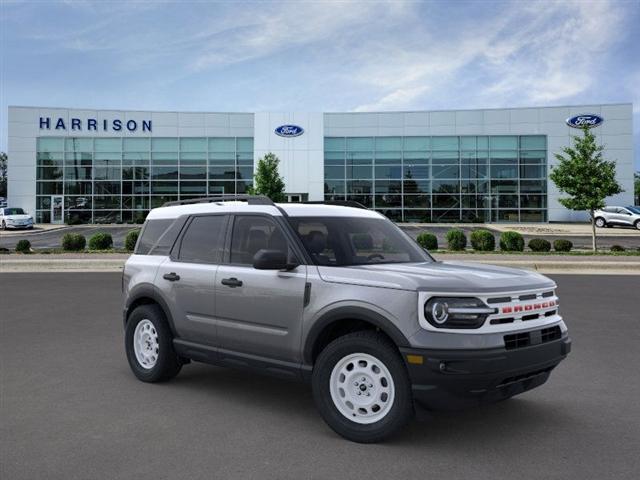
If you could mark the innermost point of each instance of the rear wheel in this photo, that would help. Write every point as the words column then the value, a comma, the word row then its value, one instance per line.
column 361, row 387
column 149, row 345
column 637, row 224
column 600, row 222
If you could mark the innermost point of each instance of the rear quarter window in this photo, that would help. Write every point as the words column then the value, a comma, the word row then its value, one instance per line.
column 158, row 236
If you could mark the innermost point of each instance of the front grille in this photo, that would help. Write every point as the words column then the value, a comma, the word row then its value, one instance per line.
column 531, row 296
column 499, row 300
column 499, row 321
column 550, row 334
column 525, row 339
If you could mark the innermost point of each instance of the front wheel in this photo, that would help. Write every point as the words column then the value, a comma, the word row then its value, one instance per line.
column 149, row 345
column 600, row 223
column 361, row 387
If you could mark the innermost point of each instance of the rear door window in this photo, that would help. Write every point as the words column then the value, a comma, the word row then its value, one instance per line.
column 203, row 240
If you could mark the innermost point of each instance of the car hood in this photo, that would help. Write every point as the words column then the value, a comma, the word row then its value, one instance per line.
column 438, row 277
column 17, row 217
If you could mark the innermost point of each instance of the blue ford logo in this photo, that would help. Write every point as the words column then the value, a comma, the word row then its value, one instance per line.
column 289, row 131
column 587, row 120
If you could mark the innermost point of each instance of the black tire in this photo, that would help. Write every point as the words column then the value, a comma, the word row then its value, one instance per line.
column 4, row 225
column 602, row 221
column 168, row 364
column 637, row 224
column 382, row 348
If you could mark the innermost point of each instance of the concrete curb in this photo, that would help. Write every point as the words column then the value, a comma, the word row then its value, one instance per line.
column 28, row 265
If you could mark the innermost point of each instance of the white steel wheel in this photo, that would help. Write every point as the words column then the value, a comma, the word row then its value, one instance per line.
column 362, row 388
column 600, row 222
column 145, row 344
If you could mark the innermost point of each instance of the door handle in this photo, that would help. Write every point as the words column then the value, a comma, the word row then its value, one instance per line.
column 172, row 277
column 232, row 282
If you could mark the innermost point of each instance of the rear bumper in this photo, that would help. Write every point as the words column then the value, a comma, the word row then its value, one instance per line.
column 451, row 379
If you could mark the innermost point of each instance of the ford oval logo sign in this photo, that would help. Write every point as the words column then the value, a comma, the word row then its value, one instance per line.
column 587, row 120
column 289, row 131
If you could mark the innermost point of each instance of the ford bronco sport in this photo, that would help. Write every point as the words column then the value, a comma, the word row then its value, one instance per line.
column 339, row 297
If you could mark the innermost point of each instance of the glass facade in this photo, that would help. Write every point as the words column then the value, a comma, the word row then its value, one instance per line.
column 108, row 180
column 500, row 178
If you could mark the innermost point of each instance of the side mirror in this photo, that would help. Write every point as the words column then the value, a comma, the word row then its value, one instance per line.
column 272, row 260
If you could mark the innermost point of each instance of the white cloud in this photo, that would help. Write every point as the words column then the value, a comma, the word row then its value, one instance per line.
column 528, row 54
column 257, row 33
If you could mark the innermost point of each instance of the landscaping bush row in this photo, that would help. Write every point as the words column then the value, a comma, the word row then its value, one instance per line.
column 75, row 242
column 485, row 241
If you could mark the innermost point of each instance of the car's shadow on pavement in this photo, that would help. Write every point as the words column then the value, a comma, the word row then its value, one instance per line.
column 500, row 423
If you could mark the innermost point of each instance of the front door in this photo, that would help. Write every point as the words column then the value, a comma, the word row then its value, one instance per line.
column 57, row 209
column 188, row 278
column 259, row 311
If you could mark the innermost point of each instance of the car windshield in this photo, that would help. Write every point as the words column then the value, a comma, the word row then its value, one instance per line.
column 13, row 211
column 350, row 241
column 634, row 210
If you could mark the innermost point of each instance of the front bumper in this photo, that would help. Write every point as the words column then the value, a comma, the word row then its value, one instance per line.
column 451, row 379
column 16, row 226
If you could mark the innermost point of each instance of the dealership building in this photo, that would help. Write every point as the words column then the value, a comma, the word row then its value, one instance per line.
column 425, row 166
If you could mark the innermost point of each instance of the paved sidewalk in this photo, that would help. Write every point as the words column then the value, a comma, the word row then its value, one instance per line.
column 597, row 264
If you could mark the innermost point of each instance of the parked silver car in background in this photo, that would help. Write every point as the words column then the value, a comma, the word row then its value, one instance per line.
column 621, row 216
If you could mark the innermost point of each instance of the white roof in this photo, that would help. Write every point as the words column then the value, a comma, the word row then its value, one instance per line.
column 292, row 209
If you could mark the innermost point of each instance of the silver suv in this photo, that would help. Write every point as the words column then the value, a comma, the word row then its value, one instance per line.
column 339, row 297
column 621, row 216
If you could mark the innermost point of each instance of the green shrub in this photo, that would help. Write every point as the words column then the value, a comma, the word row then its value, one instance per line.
column 483, row 240
column 427, row 240
column 73, row 242
column 131, row 239
column 23, row 246
column 100, row 241
column 540, row 245
column 617, row 248
column 562, row 245
column 74, row 220
column 456, row 240
column 511, row 242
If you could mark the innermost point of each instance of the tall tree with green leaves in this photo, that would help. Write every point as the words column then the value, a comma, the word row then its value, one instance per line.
column 267, row 181
column 585, row 177
column 3, row 174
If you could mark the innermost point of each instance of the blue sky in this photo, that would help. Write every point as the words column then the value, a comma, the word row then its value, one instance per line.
column 318, row 56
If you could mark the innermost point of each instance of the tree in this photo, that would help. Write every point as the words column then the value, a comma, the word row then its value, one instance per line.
column 3, row 174
column 267, row 181
column 585, row 177
column 636, row 187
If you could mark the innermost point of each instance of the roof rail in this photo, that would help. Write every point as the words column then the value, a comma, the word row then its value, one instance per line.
column 341, row 203
column 250, row 199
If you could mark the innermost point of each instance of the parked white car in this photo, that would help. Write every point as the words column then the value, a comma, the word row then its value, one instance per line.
column 622, row 216
column 15, row 218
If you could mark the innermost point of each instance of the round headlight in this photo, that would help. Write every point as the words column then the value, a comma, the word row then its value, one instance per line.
column 440, row 312
column 456, row 312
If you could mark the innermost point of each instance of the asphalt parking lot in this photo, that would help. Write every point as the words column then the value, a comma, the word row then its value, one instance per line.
column 71, row 409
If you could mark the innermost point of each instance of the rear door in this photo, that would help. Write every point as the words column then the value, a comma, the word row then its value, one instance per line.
column 624, row 216
column 187, row 278
column 259, row 312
